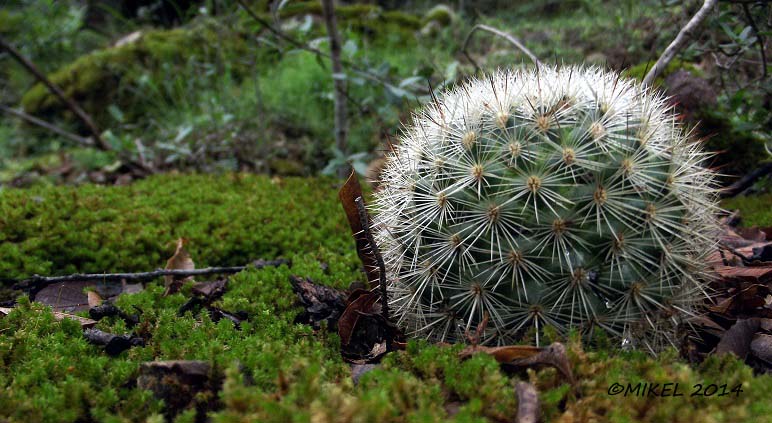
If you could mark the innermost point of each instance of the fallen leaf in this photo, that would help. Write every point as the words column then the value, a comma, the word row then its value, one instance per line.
column 761, row 274
column 94, row 299
column 179, row 261
column 348, row 194
column 320, row 303
column 737, row 340
column 527, row 403
column 505, row 354
column 363, row 303
column 753, row 234
column 211, row 290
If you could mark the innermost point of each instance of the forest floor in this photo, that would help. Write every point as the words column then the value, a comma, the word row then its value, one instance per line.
column 260, row 363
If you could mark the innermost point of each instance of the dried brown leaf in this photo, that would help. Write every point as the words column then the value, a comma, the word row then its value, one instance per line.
column 94, row 299
column 362, row 303
column 760, row 274
column 348, row 194
column 505, row 354
column 181, row 260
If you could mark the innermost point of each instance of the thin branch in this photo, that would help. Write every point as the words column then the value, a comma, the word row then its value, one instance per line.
column 356, row 69
column 686, row 33
column 31, row 68
column 37, row 282
column 365, row 222
column 46, row 125
column 759, row 38
column 514, row 41
column 338, row 78
column 746, row 181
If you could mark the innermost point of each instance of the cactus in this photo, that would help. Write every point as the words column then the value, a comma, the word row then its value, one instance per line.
column 556, row 197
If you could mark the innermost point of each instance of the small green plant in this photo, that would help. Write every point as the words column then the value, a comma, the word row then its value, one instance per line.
column 557, row 197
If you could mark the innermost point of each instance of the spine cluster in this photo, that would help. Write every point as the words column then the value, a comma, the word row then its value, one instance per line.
column 555, row 197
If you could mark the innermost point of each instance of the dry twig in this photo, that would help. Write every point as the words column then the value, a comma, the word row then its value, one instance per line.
column 686, row 33
column 501, row 34
column 37, row 282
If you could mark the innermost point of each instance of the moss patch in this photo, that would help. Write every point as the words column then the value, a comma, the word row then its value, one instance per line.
column 276, row 370
column 229, row 220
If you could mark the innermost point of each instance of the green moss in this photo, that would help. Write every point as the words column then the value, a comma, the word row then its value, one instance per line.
column 441, row 14
column 755, row 211
column 229, row 220
column 640, row 70
column 275, row 370
column 353, row 12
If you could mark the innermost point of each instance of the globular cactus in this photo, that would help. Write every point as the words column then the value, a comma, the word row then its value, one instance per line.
column 555, row 197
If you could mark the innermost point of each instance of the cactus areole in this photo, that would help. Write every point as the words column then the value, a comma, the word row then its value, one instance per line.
column 554, row 197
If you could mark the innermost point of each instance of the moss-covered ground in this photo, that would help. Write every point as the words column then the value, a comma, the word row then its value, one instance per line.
column 276, row 370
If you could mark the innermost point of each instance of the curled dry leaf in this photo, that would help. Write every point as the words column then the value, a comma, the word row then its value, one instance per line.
column 94, row 299
column 348, row 194
column 179, row 261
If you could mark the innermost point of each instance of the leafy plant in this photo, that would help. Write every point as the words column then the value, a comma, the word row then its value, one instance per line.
column 558, row 197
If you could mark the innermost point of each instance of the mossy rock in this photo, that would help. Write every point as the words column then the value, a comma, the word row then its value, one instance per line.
column 360, row 17
column 110, row 76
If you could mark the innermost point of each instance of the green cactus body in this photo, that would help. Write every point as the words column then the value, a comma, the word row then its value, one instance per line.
column 563, row 197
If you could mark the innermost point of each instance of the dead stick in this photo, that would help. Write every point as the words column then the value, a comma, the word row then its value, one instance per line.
column 16, row 54
column 686, row 33
column 514, row 41
column 46, row 125
column 35, row 283
column 365, row 222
